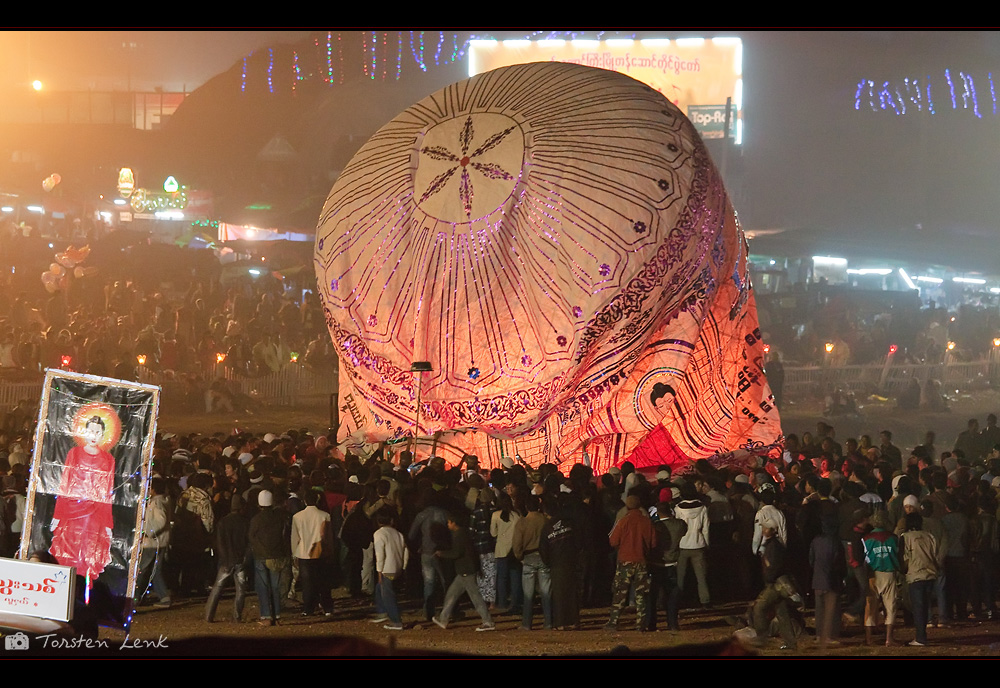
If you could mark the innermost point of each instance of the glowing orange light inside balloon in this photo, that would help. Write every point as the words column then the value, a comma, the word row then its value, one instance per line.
column 66, row 360
column 141, row 358
column 951, row 345
column 892, row 349
column 767, row 348
column 828, row 346
column 996, row 341
column 220, row 357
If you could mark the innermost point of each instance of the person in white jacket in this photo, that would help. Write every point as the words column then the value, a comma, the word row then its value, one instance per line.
column 694, row 544
column 155, row 539
column 391, row 557
column 768, row 512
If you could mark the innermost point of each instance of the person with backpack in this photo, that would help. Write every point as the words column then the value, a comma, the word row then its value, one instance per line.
column 662, row 562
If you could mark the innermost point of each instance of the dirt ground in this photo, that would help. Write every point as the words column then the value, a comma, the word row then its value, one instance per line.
column 349, row 633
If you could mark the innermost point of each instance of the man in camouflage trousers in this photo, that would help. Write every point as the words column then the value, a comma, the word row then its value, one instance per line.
column 634, row 537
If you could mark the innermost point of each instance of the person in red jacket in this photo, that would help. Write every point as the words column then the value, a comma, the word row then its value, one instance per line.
column 634, row 537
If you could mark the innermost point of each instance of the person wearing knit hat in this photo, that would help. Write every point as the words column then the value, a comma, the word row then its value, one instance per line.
column 911, row 505
column 634, row 538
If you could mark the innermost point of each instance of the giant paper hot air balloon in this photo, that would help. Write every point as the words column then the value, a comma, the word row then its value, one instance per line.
column 556, row 242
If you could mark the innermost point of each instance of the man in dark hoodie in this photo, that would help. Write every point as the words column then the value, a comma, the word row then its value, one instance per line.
column 663, row 566
column 466, row 563
column 232, row 552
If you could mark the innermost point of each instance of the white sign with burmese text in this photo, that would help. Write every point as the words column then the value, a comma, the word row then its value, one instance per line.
column 35, row 589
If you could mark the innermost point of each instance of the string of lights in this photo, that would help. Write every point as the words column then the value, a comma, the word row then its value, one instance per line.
column 288, row 70
column 910, row 97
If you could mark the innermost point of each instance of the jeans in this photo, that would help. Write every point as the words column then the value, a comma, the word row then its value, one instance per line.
column 697, row 559
column 942, row 598
column 920, row 600
column 239, row 575
column 151, row 569
column 385, row 598
column 663, row 582
column 509, row 592
column 269, row 583
column 467, row 583
column 430, row 569
column 533, row 566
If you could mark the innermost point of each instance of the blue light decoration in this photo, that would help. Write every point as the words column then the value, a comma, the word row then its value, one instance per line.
column 270, row 70
column 399, row 54
column 319, row 64
column 418, row 57
column 909, row 96
column 328, row 75
column 969, row 92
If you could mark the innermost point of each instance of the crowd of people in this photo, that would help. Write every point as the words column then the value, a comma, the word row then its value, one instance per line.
column 183, row 338
column 816, row 537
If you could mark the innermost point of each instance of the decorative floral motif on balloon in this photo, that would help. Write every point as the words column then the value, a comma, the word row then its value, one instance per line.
column 463, row 162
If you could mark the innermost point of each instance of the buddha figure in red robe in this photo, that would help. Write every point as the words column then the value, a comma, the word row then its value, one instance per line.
column 82, row 522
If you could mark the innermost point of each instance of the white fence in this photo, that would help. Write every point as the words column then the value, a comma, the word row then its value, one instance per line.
column 13, row 393
column 889, row 380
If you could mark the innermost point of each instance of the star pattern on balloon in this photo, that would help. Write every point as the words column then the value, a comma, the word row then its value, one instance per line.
column 463, row 162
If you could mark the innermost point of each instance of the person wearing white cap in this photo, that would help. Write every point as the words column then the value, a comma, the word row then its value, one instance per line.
column 272, row 556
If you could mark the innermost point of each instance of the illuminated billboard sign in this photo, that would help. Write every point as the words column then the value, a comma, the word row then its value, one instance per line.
column 696, row 74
